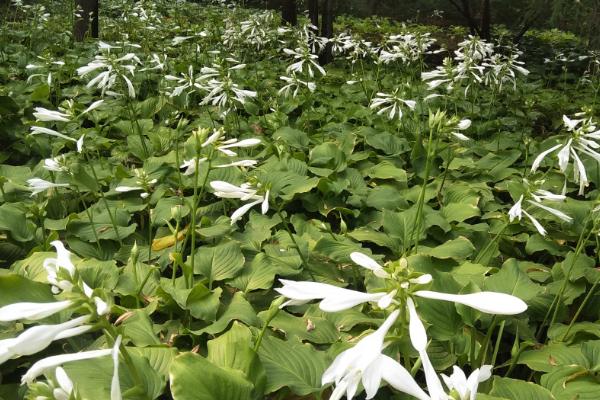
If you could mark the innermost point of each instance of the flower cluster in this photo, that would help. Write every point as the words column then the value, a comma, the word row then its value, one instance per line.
column 583, row 138
column 65, row 280
column 364, row 363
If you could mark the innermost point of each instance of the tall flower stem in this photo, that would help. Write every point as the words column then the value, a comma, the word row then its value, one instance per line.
column 137, row 126
column 555, row 306
column 587, row 298
column 105, row 202
column 489, row 245
column 421, row 201
column 293, row 239
column 194, row 209
column 90, row 217
column 486, row 342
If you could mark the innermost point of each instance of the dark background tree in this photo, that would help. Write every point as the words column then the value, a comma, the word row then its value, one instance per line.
column 289, row 12
column 89, row 17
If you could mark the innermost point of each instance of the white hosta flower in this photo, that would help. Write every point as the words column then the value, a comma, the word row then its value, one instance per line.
column 584, row 139
column 304, row 60
column 368, row 263
column 93, row 106
column 46, row 364
column 37, row 185
column 125, row 189
column 466, row 388
column 487, row 302
column 60, row 281
column 32, row 311
column 240, row 163
column 365, row 363
column 517, row 211
column 190, row 165
column 244, row 192
column 391, row 104
column 56, row 164
column 115, row 385
column 227, row 145
column 45, row 115
column 333, row 298
column 65, row 385
column 293, row 86
column 36, row 130
column 37, row 338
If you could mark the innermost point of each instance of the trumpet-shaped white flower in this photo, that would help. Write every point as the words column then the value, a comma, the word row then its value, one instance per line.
column 364, row 363
column 37, row 185
column 338, row 299
column 32, row 311
column 115, row 385
column 36, row 130
column 65, row 385
column 37, row 338
column 517, row 211
column 56, row 164
column 333, row 298
column 487, row 302
column 304, row 60
column 391, row 104
column 466, row 388
column 293, row 85
column 368, row 263
column 244, row 192
column 45, row 115
column 584, row 139
column 46, row 364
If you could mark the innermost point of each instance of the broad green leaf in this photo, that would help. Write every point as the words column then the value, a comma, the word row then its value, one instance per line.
column 292, row 364
column 548, row 357
column 15, row 288
column 219, row 262
column 239, row 309
column 510, row 279
column 203, row 303
column 13, row 220
column 514, row 389
column 234, row 349
column 308, row 328
column 193, row 377
column 293, row 137
column 138, row 327
column 458, row 249
column 93, row 377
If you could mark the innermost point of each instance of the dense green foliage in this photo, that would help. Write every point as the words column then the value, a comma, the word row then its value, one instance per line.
column 428, row 173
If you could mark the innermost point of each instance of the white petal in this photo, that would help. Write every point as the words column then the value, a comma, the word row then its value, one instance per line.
column 399, row 378
column 487, row 302
column 552, row 211
column 367, row 262
column 563, row 156
column 32, row 311
column 115, row 386
column 265, row 204
column 239, row 213
column 63, row 380
column 536, row 223
column 416, row 329
column 45, row 364
column 540, row 157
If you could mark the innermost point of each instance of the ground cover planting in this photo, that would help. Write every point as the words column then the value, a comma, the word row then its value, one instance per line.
column 193, row 206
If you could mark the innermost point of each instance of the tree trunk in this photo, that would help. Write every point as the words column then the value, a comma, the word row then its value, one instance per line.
column 485, row 30
column 313, row 12
column 90, row 10
column 465, row 9
column 289, row 14
column 327, row 30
